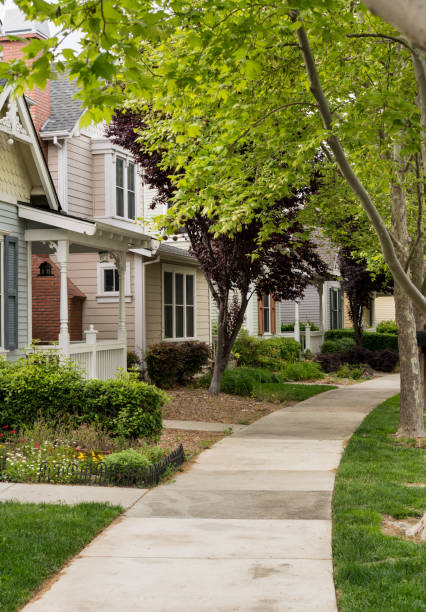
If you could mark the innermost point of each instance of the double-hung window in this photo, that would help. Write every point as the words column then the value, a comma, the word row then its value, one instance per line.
column 125, row 188
column 9, row 293
column 178, row 304
column 266, row 314
column 336, row 308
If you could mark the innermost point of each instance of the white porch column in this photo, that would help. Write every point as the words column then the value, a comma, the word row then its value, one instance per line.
column 296, row 322
column 321, row 306
column 121, row 265
column 307, row 337
column 62, row 253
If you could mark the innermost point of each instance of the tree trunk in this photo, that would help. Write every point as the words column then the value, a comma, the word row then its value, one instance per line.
column 411, row 412
column 225, row 342
column 221, row 361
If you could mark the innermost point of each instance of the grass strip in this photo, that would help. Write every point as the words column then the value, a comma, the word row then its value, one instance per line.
column 373, row 571
column 37, row 539
column 282, row 392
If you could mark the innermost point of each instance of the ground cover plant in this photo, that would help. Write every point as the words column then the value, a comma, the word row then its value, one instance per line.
column 263, row 384
column 374, row 571
column 36, row 541
column 64, row 453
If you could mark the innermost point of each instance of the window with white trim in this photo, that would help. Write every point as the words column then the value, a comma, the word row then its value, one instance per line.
column 109, row 281
column 266, row 313
column 125, row 188
column 178, row 304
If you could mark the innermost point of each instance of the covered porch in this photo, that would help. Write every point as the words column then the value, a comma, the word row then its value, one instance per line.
column 59, row 236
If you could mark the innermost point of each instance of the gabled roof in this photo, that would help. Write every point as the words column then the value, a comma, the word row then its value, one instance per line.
column 16, row 123
column 65, row 109
column 168, row 249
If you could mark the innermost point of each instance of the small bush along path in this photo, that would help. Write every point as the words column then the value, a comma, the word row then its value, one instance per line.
column 374, row 571
column 37, row 539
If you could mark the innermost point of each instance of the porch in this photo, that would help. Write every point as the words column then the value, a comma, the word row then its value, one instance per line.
column 97, row 358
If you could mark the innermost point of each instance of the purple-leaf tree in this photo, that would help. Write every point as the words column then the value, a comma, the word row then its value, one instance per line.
column 236, row 267
column 359, row 284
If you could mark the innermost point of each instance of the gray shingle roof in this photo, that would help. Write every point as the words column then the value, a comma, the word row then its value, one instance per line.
column 65, row 110
column 168, row 249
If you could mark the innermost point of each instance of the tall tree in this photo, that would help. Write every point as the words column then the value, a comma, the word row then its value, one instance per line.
column 359, row 284
column 232, row 74
column 236, row 266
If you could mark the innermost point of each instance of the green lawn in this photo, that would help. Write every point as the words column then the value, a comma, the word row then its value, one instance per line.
column 37, row 539
column 282, row 392
column 374, row 572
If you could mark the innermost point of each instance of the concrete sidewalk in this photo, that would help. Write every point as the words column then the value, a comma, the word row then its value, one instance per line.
column 248, row 528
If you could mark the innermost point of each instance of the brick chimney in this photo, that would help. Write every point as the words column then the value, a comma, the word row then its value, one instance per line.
column 15, row 23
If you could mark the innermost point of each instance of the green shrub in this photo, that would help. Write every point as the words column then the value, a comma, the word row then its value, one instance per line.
column 348, row 371
column 171, row 362
column 125, row 406
column 370, row 340
column 387, row 327
column 379, row 342
column 337, row 346
column 40, row 386
column 256, row 352
column 134, row 459
column 302, row 370
column 242, row 381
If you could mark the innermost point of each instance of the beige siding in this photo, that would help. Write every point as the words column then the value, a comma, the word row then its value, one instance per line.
column 52, row 160
column 153, row 304
column 385, row 308
column 148, row 213
column 202, row 301
column 104, row 317
column 80, row 185
column 14, row 179
column 99, row 185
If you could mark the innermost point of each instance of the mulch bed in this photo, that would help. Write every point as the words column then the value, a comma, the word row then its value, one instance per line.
column 197, row 405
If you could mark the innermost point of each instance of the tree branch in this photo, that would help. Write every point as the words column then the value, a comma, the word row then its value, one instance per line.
column 353, row 181
column 407, row 16
column 395, row 39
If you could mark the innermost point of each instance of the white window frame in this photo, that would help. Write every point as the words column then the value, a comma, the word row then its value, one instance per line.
column 186, row 272
column 112, row 296
column 126, row 161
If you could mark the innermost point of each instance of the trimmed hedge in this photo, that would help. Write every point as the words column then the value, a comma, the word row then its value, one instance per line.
column 41, row 386
column 338, row 345
column 169, row 363
column 370, row 340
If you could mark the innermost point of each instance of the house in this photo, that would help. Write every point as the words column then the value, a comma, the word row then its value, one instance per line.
column 119, row 289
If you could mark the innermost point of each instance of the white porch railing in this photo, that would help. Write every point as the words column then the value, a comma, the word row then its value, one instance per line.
column 97, row 359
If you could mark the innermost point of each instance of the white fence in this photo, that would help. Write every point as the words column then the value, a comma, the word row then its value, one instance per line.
column 98, row 359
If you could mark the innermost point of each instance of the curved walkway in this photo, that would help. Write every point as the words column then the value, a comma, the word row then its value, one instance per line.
column 248, row 528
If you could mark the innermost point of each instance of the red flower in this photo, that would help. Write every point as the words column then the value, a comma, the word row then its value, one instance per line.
column 12, row 431
column 37, row 445
column 1, row 435
column 50, row 450
column 5, row 426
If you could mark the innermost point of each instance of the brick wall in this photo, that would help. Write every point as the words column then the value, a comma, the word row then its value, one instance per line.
column 46, row 303
column 40, row 111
